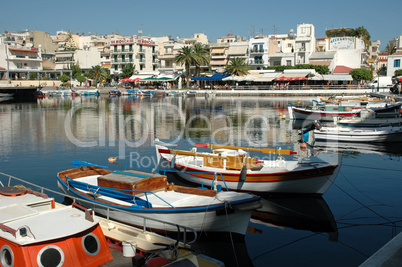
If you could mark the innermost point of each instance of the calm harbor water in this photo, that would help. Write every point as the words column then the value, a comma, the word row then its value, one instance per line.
column 360, row 212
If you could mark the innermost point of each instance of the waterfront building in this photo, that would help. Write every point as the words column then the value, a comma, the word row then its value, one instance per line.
column 139, row 51
column 351, row 50
column 219, row 57
column 229, row 38
column 394, row 63
column 394, row 60
column 382, row 63
column 220, row 51
column 304, row 43
column 169, row 48
column 258, row 52
column 373, row 53
column 281, row 49
column 238, row 49
column 320, row 44
column 17, row 62
column 324, row 59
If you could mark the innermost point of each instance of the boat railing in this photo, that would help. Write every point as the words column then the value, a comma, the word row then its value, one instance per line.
column 44, row 191
column 164, row 171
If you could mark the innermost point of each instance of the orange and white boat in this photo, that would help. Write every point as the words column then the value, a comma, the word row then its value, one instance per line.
column 232, row 168
column 35, row 233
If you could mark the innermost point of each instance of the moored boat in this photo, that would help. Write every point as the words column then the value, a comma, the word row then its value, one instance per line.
column 232, row 168
column 150, row 195
column 359, row 134
column 35, row 233
column 321, row 113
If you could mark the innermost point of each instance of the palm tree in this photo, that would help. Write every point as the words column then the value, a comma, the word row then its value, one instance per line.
column 201, row 56
column 390, row 49
column 186, row 57
column 98, row 73
column 127, row 71
column 238, row 66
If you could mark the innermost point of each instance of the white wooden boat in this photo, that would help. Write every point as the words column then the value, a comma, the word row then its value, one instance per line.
column 150, row 195
column 369, row 122
column 321, row 113
column 231, row 167
column 328, row 112
column 34, row 233
column 359, row 134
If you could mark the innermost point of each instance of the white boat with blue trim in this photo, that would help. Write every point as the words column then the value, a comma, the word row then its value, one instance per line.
column 150, row 195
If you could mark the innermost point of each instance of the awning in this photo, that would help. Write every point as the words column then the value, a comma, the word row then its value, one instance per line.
column 248, row 78
column 219, row 50
column 291, row 77
column 215, row 77
column 220, row 62
column 321, row 62
column 232, row 78
column 338, row 77
column 141, row 77
column 237, row 50
column 266, row 77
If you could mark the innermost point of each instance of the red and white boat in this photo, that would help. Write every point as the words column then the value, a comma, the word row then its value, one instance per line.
column 329, row 112
column 321, row 113
column 35, row 233
column 231, row 167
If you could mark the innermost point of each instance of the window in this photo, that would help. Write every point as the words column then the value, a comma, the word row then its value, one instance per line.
column 397, row 63
column 288, row 62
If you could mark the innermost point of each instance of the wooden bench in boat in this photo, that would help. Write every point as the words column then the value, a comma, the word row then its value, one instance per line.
column 142, row 181
column 133, row 181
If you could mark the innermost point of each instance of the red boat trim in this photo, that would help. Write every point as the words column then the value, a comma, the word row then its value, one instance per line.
column 326, row 114
column 270, row 177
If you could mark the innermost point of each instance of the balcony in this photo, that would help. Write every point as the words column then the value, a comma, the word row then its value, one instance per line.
column 256, row 62
column 257, row 51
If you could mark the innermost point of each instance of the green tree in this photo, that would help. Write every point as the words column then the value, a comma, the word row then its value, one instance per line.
column 186, row 57
column 361, row 75
column 81, row 78
column 75, row 70
column 70, row 44
column 64, row 78
column 33, row 76
column 364, row 34
column 238, row 66
column 98, row 74
column 390, row 49
column 201, row 56
column 127, row 71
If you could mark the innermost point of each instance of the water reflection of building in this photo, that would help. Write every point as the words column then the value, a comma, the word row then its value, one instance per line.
column 106, row 121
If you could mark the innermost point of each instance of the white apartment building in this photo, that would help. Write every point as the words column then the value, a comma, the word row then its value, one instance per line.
column 258, row 52
column 304, row 43
column 19, row 61
column 139, row 51
column 394, row 63
column 395, row 59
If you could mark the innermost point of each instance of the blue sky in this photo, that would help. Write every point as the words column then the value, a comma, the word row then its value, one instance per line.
column 214, row 18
